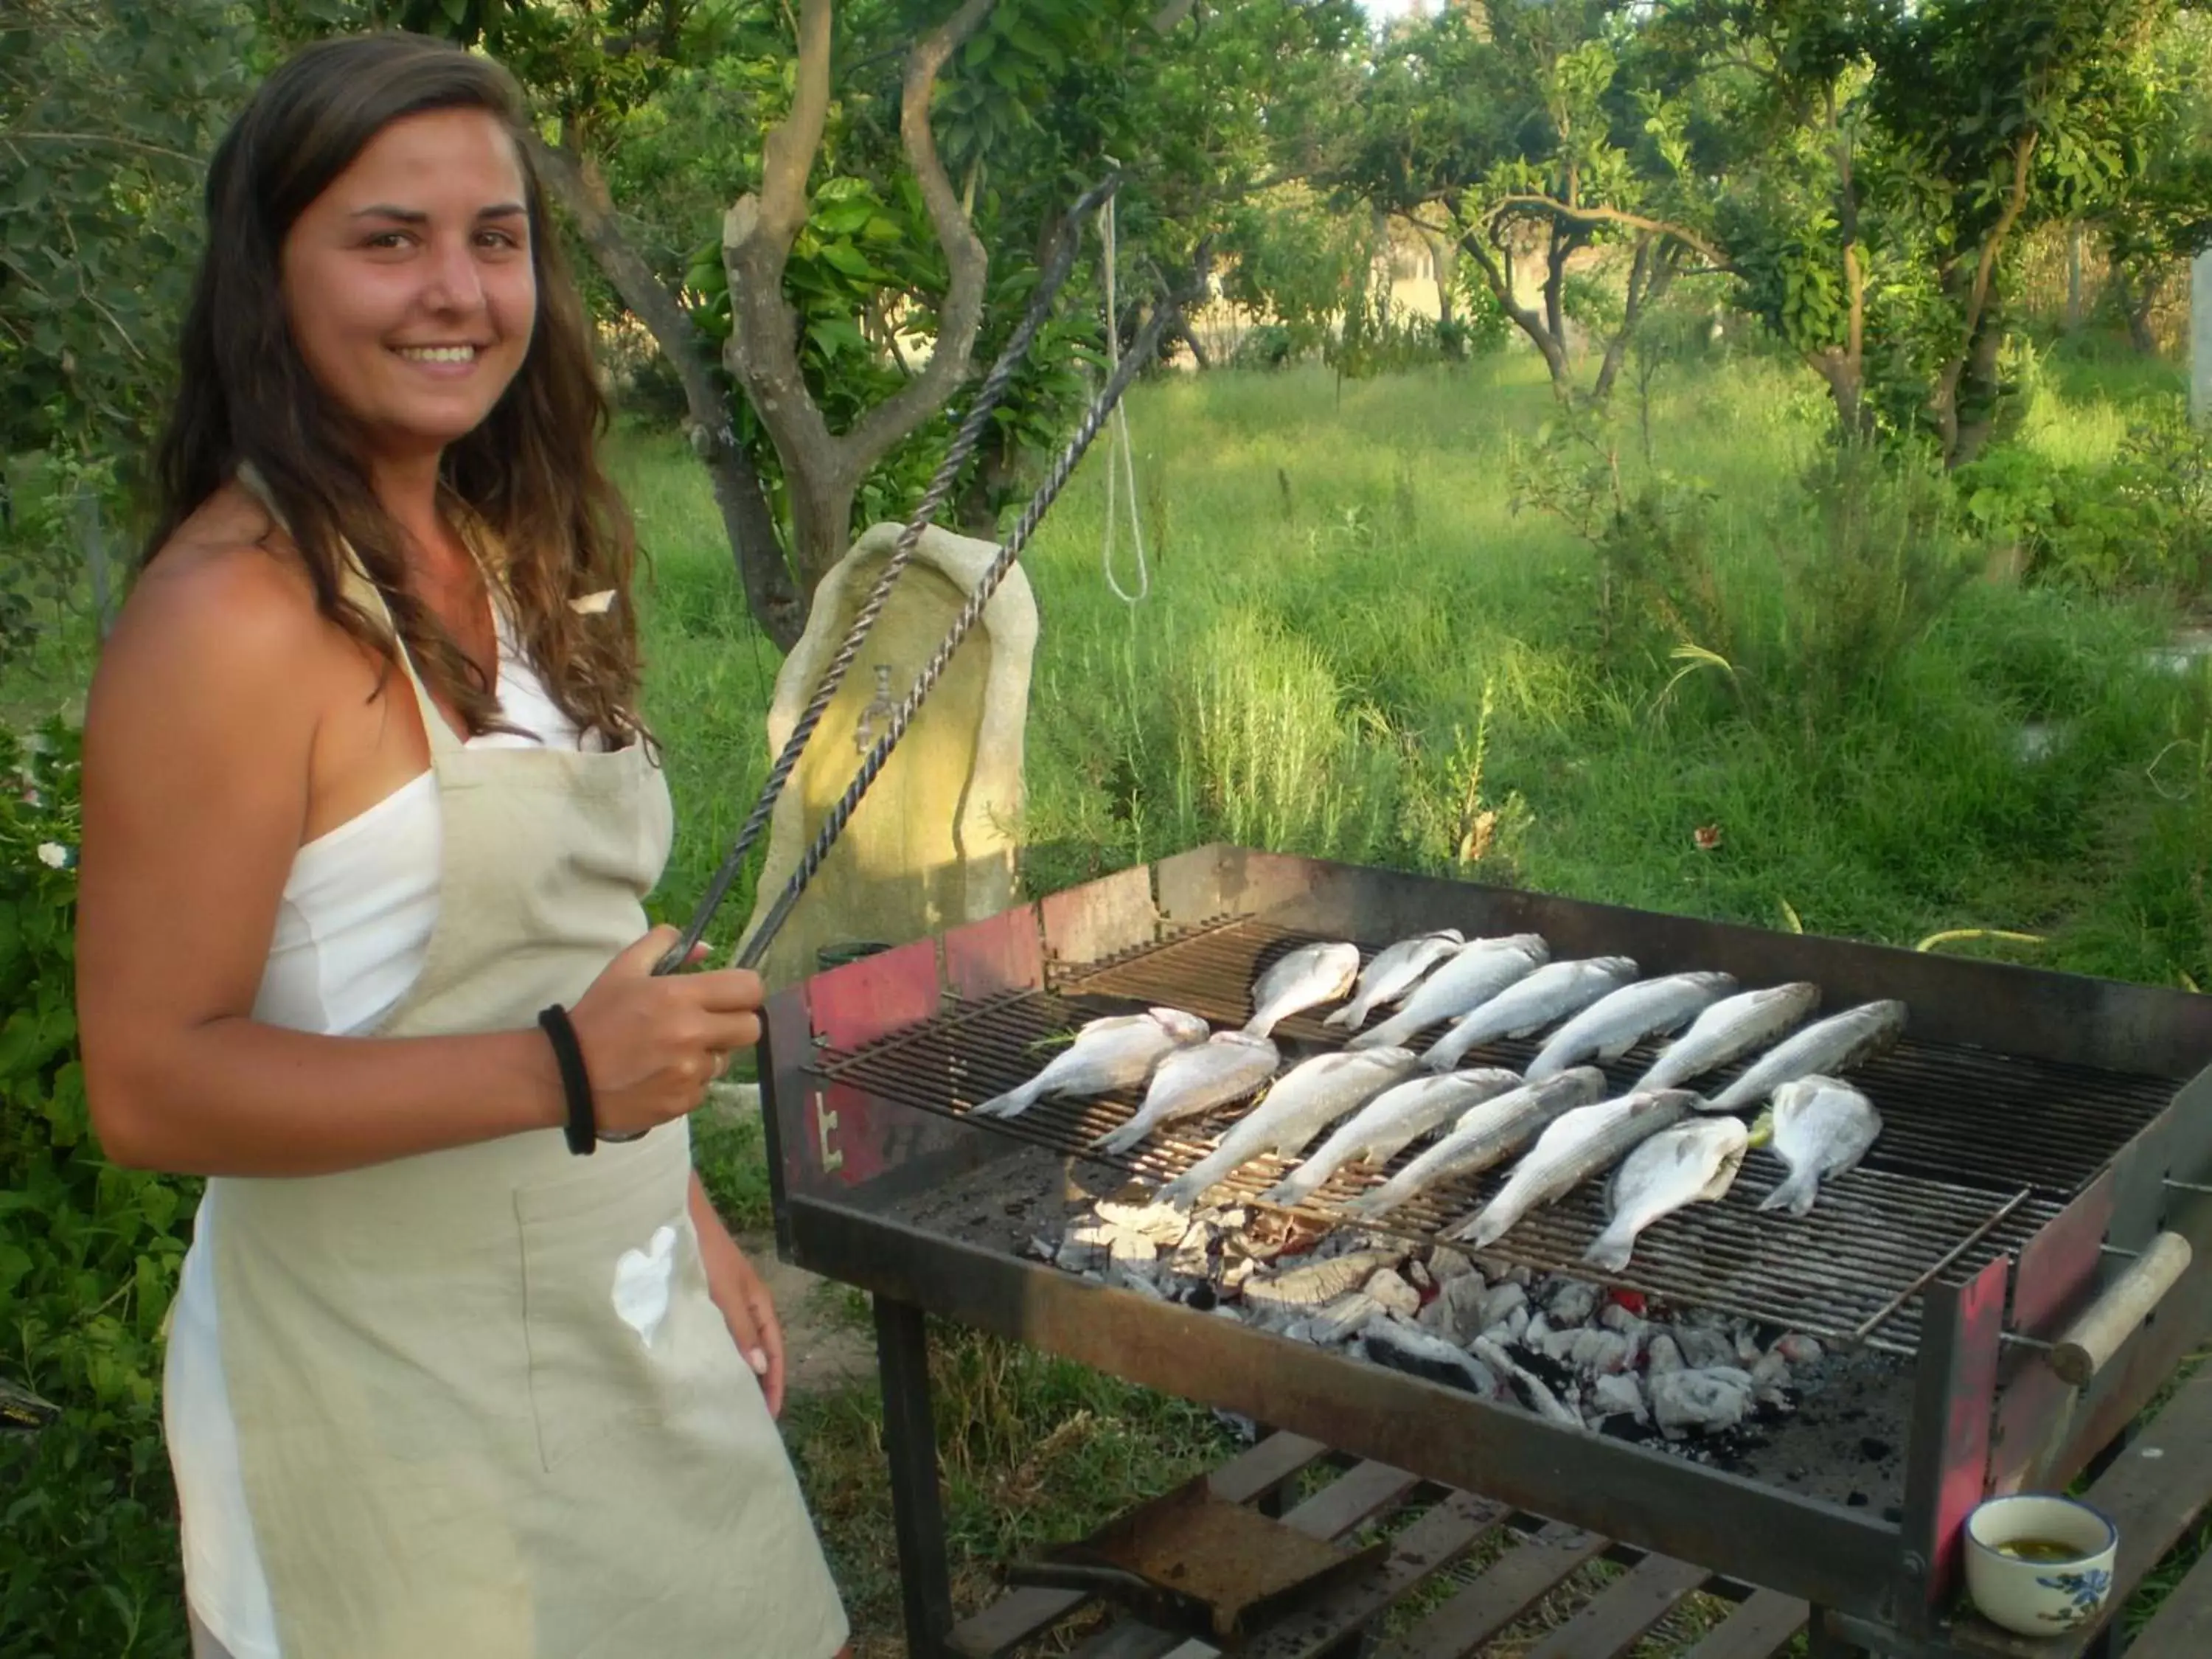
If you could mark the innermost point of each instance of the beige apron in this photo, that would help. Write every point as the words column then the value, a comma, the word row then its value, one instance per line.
column 469, row 1426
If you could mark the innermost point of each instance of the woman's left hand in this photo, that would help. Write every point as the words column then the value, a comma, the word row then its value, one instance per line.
column 737, row 1291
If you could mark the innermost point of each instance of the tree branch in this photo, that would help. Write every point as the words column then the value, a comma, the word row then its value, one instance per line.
column 770, row 594
column 1605, row 216
column 961, row 315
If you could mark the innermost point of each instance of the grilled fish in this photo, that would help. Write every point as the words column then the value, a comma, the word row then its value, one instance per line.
column 1486, row 1135
column 1731, row 1027
column 1196, row 1079
column 1693, row 1162
column 1476, row 972
column 1390, row 1122
column 1395, row 970
column 1821, row 1128
column 1307, row 976
column 1116, row 1052
column 1306, row 1100
column 1573, row 1150
column 1613, row 1024
column 1839, row 1041
column 1553, row 993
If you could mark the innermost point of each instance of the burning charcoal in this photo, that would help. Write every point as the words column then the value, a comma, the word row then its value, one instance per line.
column 1042, row 1248
column 1798, row 1350
column 1386, row 1343
column 1617, row 1396
column 1358, row 1241
column 1661, row 1356
column 1231, row 1220
column 1524, row 1277
column 1558, row 1345
column 1600, row 1352
column 1703, row 1348
column 1447, row 1264
column 1498, row 1302
column 1162, row 1223
column 1614, row 1317
column 1078, row 1254
column 1527, row 1386
column 1770, row 1373
column 1316, row 1282
column 1129, row 1276
column 1539, row 1327
column 1223, row 1310
column 1701, row 1401
column 1343, row 1318
column 1133, row 1250
column 1418, row 1275
column 1746, row 1347
column 1571, row 1304
column 1456, row 1313
column 1236, row 1274
column 1189, row 1261
column 1393, row 1294
column 1516, row 1325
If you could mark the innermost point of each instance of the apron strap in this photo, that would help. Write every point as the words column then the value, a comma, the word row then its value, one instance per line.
column 356, row 585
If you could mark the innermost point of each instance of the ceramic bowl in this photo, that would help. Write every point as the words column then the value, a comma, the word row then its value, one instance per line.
column 2039, row 1598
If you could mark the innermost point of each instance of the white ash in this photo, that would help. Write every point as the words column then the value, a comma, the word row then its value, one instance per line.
column 1562, row 1348
column 1393, row 1294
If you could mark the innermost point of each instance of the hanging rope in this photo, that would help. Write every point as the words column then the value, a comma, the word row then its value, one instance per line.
column 1118, row 449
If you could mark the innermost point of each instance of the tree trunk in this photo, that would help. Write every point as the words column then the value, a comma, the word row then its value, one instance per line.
column 1442, row 256
column 1498, row 277
column 2073, row 277
column 1649, row 276
column 776, row 604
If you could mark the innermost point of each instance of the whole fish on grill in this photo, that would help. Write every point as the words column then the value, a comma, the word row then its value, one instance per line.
column 1732, row 1027
column 1576, row 1147
column 1391, row 1122
column 1476, row 972
column 1613, row 1024
column 1189, row 1081
column 1693, row 1162
column 1396, row 970
column 1117, row 1052
column 1552, row 993
column 1837, row 1041
column 1305, row 1100
column 1307, row 976
column 1486, row 1135
column 1821, row 1128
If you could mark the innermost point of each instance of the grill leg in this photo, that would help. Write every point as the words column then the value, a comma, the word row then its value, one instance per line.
column 910, row 1446
column 1822, row 1642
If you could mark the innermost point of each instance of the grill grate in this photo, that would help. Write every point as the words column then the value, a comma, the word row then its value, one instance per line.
column 1980, row 1150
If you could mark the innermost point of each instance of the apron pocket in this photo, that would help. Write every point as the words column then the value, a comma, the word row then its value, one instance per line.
column 599, row 1260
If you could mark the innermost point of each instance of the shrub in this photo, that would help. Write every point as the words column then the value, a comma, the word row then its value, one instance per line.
column 89, row 1259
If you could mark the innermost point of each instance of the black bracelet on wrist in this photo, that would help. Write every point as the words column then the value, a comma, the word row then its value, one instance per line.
column 582, row 1128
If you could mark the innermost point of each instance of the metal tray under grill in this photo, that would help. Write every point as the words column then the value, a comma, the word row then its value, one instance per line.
column 1979, row 1153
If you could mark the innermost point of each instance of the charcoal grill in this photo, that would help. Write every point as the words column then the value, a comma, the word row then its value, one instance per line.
column 2042, row 1130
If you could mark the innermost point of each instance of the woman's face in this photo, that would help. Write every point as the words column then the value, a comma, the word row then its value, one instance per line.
column 408, row 283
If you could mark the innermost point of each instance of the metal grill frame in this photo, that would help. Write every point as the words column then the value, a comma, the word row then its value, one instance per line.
column 1985, row 1417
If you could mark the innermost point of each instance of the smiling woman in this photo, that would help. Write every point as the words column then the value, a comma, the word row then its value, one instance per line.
column 369, row 816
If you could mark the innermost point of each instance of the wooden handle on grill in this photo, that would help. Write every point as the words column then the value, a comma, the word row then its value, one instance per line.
column 2094, row 1337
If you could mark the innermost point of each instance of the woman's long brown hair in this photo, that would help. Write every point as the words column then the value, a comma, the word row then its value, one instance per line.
column 530, row 472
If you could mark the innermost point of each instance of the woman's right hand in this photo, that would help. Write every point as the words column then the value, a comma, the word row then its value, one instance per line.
column 653, row 1044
